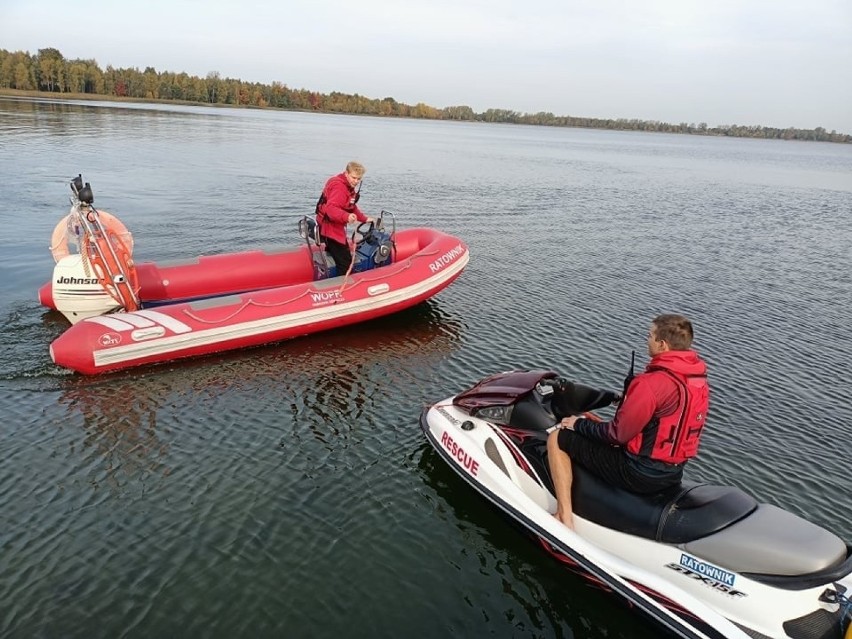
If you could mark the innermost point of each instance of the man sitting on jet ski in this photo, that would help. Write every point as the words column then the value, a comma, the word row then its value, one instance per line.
column 656, row 427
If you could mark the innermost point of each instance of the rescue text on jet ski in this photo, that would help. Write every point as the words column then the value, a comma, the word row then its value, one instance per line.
column 700, row 560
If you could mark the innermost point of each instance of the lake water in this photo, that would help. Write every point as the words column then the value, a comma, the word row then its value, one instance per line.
column 288, row 490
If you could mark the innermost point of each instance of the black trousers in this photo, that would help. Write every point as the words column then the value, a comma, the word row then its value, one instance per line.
column 340, row 253
column 612, row 464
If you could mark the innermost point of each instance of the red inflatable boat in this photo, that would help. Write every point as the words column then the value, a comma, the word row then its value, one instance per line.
column 126, row 315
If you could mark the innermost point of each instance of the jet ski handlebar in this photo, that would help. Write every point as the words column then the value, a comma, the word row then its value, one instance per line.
column 575, row 399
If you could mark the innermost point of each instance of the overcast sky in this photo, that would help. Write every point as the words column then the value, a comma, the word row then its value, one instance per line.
column 766, row 62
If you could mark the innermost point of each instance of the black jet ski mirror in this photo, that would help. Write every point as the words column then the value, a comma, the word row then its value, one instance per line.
column 575, row 399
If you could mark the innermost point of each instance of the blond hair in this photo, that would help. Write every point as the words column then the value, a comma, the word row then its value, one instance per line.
column 355, row 168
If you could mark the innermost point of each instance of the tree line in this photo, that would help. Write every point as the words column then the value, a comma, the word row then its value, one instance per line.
column 49, row 71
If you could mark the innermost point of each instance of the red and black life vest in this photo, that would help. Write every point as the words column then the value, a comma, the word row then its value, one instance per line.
column 673, row 438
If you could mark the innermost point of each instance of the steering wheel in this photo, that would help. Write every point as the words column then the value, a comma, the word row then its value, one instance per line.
column 365, row 230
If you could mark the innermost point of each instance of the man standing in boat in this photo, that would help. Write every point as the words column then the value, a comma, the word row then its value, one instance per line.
column 655, row 430
column 337, row 207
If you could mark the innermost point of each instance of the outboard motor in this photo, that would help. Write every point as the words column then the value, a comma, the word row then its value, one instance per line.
column 99, row 276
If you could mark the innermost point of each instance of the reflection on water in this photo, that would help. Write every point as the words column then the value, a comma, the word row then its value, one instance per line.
column 120, row 425
column 321, row 376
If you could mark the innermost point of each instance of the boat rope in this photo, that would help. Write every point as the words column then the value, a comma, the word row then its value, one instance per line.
column 366, row 280
column 81, row 244
column 252, row 302
column 405, row 266
column 353, row 283
column 84, row 257
column 351, row 264
column 243, row 306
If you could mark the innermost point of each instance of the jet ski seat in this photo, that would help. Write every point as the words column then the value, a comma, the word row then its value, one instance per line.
column 720, row 524
column 772, row 541
column 682, row 513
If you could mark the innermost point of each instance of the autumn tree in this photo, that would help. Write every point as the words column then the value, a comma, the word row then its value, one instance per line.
column 50, row 70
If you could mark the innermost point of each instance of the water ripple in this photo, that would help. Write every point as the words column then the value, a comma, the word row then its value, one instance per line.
column 287, row 490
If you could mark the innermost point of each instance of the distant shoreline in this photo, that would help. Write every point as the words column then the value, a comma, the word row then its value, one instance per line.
column 94, row 97
column 607, row 125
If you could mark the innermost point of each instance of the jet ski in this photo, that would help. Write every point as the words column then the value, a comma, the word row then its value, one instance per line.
column 702, row 561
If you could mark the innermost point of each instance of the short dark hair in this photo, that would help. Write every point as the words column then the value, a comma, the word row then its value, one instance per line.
column 674, row 329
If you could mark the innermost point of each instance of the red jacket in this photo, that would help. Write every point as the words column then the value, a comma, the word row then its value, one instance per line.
column 656, row 397
column 334, row 207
